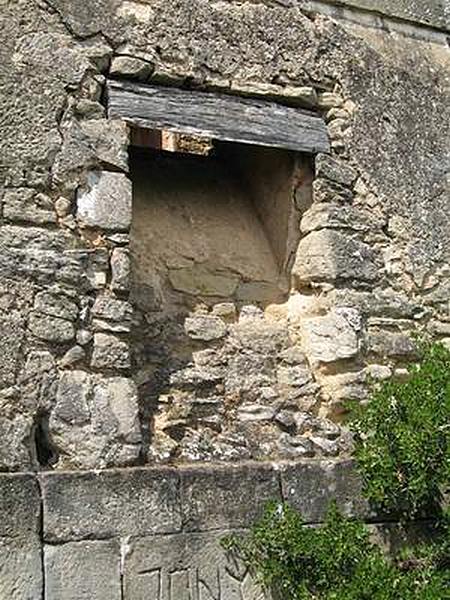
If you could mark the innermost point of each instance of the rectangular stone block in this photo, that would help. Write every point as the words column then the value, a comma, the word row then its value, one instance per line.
column 20, row 545
column 83, row 571
column 231, row 496
column 309, row 487
column 113, row 503
column 427, row 12
column 185, row 567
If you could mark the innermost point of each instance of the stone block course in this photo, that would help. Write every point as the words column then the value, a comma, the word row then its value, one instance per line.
column 20, row 544
column 83, row 571
column 116, row 503
column 229, row 497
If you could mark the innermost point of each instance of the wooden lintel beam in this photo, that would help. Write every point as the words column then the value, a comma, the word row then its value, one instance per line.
column 218, row 116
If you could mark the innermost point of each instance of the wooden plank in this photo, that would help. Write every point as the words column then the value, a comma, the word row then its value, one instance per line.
column 218, row 116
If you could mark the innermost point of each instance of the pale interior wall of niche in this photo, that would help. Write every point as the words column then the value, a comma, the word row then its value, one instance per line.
column 214, row 228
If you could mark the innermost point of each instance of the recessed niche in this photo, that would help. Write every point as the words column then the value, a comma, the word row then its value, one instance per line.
column 218, row 224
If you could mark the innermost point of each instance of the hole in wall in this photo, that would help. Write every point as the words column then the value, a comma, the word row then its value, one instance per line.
column 44, row 454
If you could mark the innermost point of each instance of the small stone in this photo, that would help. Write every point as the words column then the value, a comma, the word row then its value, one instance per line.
column 337, row 129
column 84, row 337
column 109, row 139
column 285, row 419
column 335, row 170
column 251, row 311
column 328, row 100
column 379, row 372
column 110, row 353
column 63, row 207
column 386, row 343
column 106, row 203
column 121, row 270
column 204, row 327
column 112, row 314
column 250, row 412
column 325, row 190
column 56, row 304
column 294, row 376
column 327, row 447
column 51, row 329
column 225, row 310
column 72, row 357
column 296, row 446
column 131, row 68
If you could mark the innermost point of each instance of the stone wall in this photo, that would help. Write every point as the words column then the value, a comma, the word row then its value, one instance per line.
column 152, row 533
column 86, row 383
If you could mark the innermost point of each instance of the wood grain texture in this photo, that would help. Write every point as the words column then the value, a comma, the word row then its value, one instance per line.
column 218, row 116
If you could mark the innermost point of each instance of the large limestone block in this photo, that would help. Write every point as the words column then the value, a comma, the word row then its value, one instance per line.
column 100, row 505
column 328, row 255
column 83, row 571
column 106, row 203
column 185, row 567
column 332, row 337
column 310, row 486
column 20, row 547
column 95, row 422
column 226, row 496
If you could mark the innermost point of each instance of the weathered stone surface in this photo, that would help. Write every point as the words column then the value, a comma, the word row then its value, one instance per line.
column 51, row 329
column 120, row 270
column 83, row 570
column 20, row 546
column 25, row 205
column 58, row 304
column 44, row 256
column 110, row 353
column 12, row 328
column 325, row 190
column 184, row 566
column 431, row 12
column 226, row 497
column 310, row 486
column 95, row 424
column 330, row 255
column 198, row 280
column 106, row 203
column 389, row 344
column 333, row 216
column 111, row 314
column 205, row 328
column 115, row 503
column 332, row 337
column 130, row 67
column 335, row 170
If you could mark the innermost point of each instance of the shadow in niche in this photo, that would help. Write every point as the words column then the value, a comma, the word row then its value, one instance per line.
column 44, row 455
column 212, row 232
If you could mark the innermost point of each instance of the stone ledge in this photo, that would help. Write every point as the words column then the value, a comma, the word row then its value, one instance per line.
column 430, row 13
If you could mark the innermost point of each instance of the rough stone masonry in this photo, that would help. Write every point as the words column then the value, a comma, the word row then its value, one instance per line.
column 115, row 408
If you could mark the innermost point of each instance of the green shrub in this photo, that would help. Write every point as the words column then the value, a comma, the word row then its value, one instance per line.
column 336, row 561
column 403, row 437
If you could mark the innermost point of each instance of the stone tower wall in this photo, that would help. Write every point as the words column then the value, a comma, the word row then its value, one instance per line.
column 107, row 397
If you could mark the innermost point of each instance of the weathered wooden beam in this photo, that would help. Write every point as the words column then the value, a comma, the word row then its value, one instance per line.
column 218, row 116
